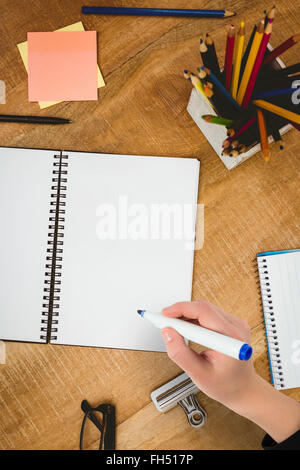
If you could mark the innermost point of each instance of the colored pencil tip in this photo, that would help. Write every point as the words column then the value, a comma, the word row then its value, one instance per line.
column 141, row 312
column 229, row 13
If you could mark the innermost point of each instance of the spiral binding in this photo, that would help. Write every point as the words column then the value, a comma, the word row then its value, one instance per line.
column 55, row 243
column 270, row 323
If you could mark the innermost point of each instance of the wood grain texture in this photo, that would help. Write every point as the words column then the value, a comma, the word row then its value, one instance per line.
column 142, row 110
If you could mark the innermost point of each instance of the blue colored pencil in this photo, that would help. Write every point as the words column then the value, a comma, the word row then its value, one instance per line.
column 221, row 88
column 156, row 12
column 269, row 93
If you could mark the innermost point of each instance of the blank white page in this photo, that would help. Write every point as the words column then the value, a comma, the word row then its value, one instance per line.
column 25, row 190
column 283, row 271
column 105, row 281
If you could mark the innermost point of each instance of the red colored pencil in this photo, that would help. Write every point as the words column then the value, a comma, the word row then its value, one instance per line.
column 229, row 56
column 282, row 48
column 257, row 64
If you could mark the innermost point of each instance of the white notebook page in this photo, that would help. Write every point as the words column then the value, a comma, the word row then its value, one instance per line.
column 104, row 282
column 25, row 190
column 284, row 278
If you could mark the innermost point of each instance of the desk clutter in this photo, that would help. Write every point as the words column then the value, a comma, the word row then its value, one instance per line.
column 252, row 99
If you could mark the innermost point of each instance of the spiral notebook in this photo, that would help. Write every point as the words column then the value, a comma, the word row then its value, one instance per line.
column 79, row 253
column 279, row 274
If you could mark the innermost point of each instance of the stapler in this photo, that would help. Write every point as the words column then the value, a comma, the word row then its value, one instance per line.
column 180, row 391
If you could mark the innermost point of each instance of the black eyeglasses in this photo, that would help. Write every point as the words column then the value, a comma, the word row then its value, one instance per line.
column 98, row 427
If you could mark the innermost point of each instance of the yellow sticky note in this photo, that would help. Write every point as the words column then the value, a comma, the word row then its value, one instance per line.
column 23, row 49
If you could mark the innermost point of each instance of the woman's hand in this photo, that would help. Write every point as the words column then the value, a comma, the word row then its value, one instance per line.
column 230, row 381
column 221, row 377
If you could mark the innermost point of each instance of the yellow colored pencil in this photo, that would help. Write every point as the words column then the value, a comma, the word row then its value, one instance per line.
column 238, row 52
column 264, row 141
column 250, row 62
column 273, row 108
column 197, row 84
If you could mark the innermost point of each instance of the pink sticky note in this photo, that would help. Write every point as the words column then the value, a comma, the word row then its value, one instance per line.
column 62, row 66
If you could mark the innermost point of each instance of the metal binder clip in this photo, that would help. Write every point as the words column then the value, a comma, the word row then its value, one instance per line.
column 180, row 391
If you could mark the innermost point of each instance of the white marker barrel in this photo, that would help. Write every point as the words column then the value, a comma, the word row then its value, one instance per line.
column 210, row 339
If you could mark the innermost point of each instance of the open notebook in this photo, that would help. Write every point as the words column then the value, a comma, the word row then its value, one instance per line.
column 80, row 252
column 279, row 274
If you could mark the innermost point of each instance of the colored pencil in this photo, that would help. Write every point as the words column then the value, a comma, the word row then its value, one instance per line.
column 290, row 70
column 229, row 56
column 221, row 88
column 33, row 119
column 196, row 82
column 264, row 142
column 238, row 52
column 204, row 54
column 247, row 51
column 156, row 12
column 281, row 48
column 270, row 93
column 214, row 67
column 250, row 62
column 257, row 64
column 285, row 113
column 217, row 120
column 271, row 15
column 244, row 128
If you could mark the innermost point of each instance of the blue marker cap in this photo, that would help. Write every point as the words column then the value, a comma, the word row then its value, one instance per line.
column 141, row 312
column 245, row 352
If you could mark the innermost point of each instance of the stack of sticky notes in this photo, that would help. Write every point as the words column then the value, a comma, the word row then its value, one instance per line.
column 62, row 65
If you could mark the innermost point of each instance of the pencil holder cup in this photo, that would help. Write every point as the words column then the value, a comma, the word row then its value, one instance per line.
column 215, row 134
column 198, row 105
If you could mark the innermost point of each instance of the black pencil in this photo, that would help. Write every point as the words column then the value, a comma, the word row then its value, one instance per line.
column 215, row 68
column 33, row 119
column 205, row 56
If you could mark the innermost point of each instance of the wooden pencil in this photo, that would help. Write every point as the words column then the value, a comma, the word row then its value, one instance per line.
column 229, row 56
column 238, row 52
column 264, row 142
column 270, row 15
column 221, row 88
column 217, row 120
column 270, row 93
column 257, row 64
column 281, row 48
column 91, row 10
column 250, row 62
column 215, row 68
column 204, row 54
column 285, row 113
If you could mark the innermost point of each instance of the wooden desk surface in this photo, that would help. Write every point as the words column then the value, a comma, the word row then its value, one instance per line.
column 142, row 110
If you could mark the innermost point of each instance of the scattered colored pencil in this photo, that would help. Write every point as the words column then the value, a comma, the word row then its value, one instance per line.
column 238, row 52
column 33, row 119
column 155, row 12
column 229, row 56
column 285, row 113
column 264, row 141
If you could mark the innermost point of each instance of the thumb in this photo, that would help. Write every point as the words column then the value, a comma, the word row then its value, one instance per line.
column 181, row 354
